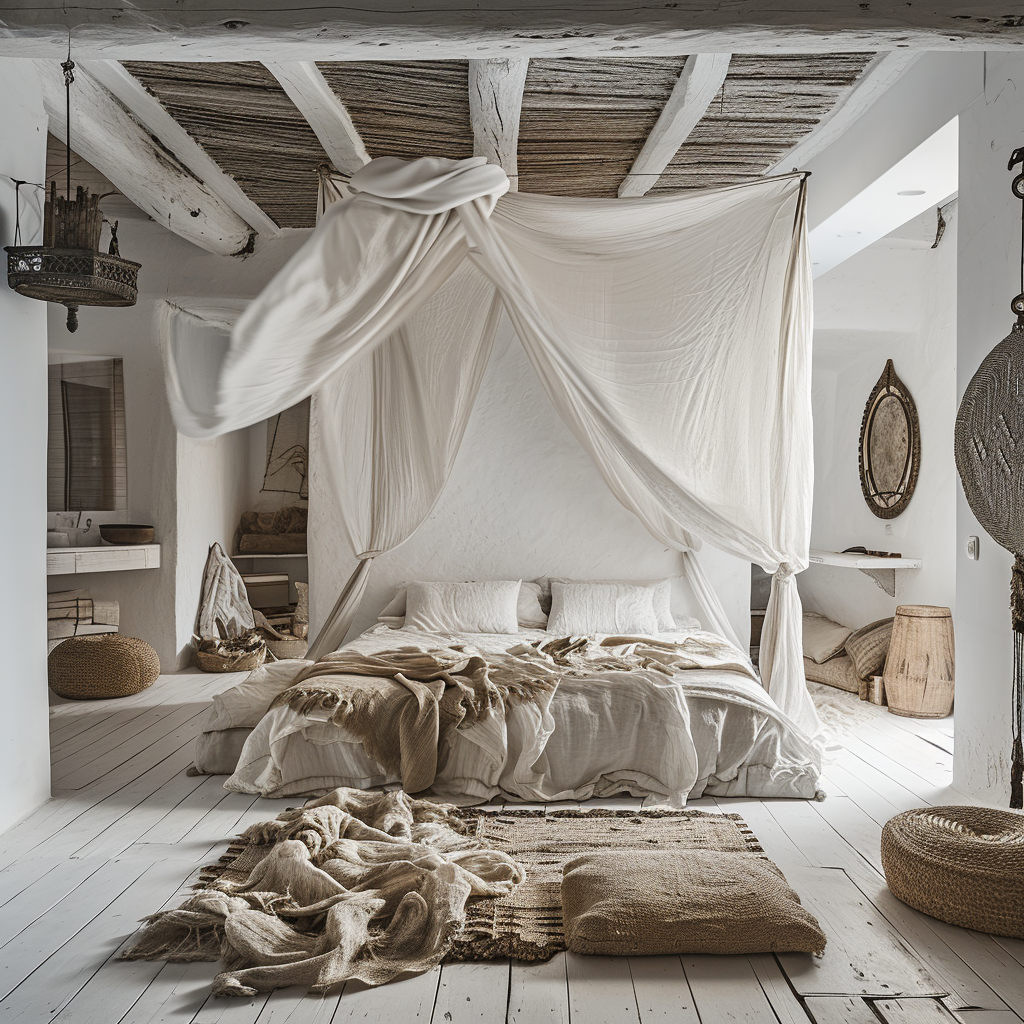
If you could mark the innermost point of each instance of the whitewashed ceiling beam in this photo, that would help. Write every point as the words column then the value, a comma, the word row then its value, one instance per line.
column 879, row 75
column 288, row 30
column 324, row 112
column 495, row 106
column 701, row 78
column 106, row 135
column 153, row 116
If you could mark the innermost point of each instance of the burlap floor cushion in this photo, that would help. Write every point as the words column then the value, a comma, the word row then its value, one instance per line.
column 963, row 865
column 105, row 665
column 638, row 902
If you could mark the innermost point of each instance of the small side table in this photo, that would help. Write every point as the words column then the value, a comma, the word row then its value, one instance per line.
column 920, row 668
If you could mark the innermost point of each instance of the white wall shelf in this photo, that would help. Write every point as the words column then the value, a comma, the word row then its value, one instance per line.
column 881, row 570
column 102, row 558
column 258, row 554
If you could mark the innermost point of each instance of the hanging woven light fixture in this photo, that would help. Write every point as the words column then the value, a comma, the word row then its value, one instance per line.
column 69, row 267
column 989, row 448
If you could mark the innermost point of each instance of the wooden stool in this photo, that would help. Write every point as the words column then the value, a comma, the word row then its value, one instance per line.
column 919, row 670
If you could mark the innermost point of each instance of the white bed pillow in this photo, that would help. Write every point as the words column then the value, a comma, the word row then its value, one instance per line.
column 579, row 609
column 662, row 590
column 488, row 607
column 529, row 610
column 823, row 638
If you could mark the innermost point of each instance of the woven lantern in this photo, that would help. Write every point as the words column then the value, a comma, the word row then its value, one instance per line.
column 990, row 461
column 69, row 267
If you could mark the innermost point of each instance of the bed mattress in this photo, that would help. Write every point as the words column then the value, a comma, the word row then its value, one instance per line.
column 709, row 730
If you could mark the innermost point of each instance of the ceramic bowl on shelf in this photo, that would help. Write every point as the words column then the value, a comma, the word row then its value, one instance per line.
column 126, row 533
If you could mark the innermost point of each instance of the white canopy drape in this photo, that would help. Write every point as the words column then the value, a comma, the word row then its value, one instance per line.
column 672, row 335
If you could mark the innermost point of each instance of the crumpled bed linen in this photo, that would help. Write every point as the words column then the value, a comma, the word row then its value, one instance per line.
column 355, row 886
column 660, row 731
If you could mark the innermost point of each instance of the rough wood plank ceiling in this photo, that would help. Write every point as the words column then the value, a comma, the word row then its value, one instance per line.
column 241, row 116
column 406, row 109
column 583, row 122
column 767, row 104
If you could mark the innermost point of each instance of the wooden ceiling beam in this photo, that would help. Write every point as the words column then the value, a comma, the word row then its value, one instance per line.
column 288, row 30
column 883, row 71
column 324, row 113
column 153, row 116
column 495, row 106
column 108, row 137
column 701, row 78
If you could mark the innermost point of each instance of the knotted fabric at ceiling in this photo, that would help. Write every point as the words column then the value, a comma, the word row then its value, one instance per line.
column 672, row 334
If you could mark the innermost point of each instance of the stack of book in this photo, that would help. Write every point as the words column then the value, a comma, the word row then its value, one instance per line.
column 75, row 613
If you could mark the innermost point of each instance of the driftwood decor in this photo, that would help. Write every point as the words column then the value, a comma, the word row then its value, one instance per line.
column 990, row 461
column 890, row 446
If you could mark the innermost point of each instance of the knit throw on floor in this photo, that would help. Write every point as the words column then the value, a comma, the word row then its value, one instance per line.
column 356, row 885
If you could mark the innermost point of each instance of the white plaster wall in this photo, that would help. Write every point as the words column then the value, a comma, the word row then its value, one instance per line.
column 24, row 736
column 936, row 88
column 191, row 491
column 896, row 299
column 213, row 492
column 989, row 277
column 524, row 500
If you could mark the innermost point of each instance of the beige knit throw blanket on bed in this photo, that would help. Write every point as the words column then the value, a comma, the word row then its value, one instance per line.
column 404, row 705
column 355, row 885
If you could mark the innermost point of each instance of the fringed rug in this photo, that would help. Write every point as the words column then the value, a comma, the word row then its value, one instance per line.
column 527, row 923
column 371, row 885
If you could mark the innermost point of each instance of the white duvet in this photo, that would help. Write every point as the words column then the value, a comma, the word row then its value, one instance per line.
column 708, row 730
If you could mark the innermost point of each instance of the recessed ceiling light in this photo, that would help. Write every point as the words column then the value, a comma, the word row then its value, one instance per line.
column 912, row 192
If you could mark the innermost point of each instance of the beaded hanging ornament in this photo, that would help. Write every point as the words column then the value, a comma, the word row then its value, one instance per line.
column 989, row 449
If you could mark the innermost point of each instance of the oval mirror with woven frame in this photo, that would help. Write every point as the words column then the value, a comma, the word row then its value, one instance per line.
column 890, row 446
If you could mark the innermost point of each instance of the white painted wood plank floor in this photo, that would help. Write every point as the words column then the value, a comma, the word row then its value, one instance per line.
column 127, row 829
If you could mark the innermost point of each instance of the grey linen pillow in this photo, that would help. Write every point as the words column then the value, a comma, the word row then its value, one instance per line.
column 650, row 902
column 838, row 672
column 823, row 638
column 869, row 647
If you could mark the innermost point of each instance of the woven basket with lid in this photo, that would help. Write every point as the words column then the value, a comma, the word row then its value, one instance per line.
column 920, row 666
column 963, row 865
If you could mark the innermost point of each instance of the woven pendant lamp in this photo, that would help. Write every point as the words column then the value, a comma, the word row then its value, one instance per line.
column 989, row 448
column 69, row 267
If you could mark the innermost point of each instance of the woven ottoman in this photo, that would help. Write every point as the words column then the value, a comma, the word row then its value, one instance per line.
column 106, row 665
column 963, row 865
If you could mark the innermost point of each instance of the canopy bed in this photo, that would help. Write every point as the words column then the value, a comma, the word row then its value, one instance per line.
column 673, row 337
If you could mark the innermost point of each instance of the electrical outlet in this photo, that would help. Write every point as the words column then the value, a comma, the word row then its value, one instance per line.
column 888, row 529
column 973, row 548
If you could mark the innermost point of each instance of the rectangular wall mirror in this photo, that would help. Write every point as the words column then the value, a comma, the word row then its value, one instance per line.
column 86, row 456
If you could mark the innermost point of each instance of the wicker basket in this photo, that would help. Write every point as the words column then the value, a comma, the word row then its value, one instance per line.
column 963, row 865
column 106, row 665
column 920, row 667
column 287, row 647
column 242, row 653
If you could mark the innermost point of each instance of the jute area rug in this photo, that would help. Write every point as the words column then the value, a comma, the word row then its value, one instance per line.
column 527, row 924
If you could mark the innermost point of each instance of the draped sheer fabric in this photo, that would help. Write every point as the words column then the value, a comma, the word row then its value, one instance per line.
column 671, row 334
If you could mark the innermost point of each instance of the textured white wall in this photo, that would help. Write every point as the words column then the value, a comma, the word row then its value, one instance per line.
column 896, row 299
column 989, row 277
column 24, row 736
column 524, row 500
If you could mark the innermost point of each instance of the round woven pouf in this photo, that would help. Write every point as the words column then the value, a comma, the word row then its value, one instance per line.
column 963, row 865
column 106, row 665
